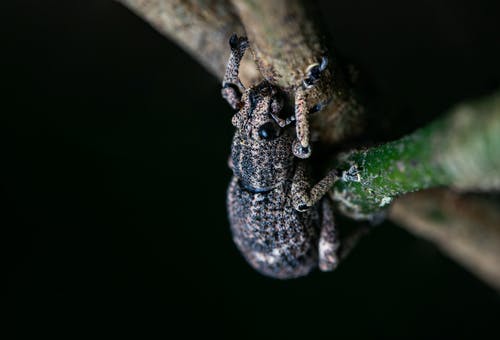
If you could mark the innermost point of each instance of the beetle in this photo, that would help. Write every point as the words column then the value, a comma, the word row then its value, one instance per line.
column 283, row 225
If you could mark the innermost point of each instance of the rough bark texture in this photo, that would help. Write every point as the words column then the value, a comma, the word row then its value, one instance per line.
column 465, row 227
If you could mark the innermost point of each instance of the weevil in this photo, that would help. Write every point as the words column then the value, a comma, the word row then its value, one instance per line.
column 283, row 225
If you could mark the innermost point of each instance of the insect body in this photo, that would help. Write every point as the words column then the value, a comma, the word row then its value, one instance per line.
column 282, row 225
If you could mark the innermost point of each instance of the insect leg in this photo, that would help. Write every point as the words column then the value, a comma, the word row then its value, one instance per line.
column 301, row 147
column 231, row 84
column 303, row 195
column 329, row 243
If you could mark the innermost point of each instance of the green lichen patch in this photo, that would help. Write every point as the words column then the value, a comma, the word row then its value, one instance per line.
column 462, row 149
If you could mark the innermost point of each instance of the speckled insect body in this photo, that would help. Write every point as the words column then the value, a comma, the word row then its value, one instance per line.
column 282, row 225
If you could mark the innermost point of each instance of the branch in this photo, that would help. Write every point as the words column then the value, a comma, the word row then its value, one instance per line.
column 283, row 39
column 459, row 150
column 201, row 27
column 285, row 42
column 466, row 227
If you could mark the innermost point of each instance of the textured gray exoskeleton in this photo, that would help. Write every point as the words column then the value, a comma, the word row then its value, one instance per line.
column 281, row 223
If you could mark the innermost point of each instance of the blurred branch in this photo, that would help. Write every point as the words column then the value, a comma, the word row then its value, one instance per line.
column 201, row 27
column 466, row 227
column 459, row 150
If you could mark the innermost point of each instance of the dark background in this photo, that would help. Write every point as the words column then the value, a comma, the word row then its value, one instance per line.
column 113, row 175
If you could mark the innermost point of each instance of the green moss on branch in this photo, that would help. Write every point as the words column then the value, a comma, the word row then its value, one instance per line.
column 461, row 150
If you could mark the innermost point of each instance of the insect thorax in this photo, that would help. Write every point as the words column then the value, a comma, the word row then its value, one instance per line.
column 262, row 150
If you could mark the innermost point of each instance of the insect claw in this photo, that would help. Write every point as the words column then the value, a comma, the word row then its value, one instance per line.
column 238, row 43
column 313, row 72
column 301, row 151
column 324, row 63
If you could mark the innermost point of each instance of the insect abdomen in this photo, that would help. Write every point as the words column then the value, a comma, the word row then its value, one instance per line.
column 273, row 237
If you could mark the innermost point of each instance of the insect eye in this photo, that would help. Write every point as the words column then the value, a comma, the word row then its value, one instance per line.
column 268, row 131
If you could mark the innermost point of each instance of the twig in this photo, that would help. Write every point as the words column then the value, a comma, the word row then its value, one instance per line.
column 459, row 150
column 201, row 27
column 466, row 227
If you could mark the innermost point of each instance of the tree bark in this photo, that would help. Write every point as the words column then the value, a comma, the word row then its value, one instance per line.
column 466, row 227
column 201, row 27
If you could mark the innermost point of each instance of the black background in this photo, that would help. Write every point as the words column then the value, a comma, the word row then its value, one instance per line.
column 113, row 175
